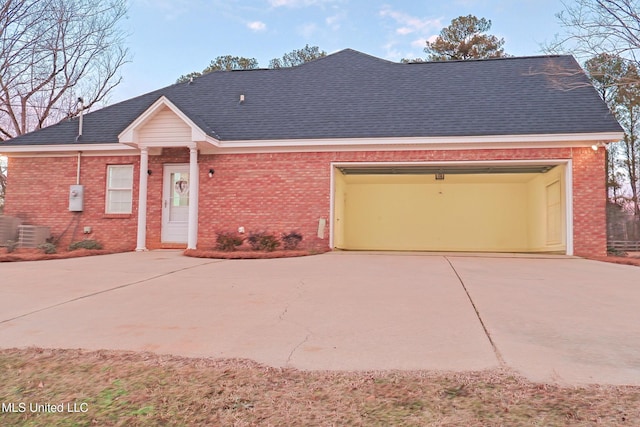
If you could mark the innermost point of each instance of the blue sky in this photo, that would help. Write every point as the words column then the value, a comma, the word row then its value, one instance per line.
column 169, row 38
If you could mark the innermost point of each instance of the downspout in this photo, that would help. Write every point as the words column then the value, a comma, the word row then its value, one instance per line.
column 81, row 102
column 78, row 171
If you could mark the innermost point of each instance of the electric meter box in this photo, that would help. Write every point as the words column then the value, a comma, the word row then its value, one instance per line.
column 76, row 198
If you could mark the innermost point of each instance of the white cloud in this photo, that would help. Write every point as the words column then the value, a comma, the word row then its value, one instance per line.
column 391, row 51
column 299, row 3
column 334, row 21
column 419, row 43
column 410, row 24
column 171, row 9
column 257, row 26
column 307, row 30
column 403, row 26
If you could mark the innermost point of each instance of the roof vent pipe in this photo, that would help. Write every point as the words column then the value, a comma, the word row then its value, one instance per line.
column 81, row 102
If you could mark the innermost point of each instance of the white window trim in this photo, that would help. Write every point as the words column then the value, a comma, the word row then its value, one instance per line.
column 111, row 190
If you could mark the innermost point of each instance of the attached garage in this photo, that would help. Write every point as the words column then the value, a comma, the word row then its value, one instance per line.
column 498, row 207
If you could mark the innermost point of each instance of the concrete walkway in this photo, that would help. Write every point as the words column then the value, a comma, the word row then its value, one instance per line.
column 553, row 319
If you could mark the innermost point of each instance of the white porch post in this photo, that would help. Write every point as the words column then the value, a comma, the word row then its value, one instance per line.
column 194, row 190
column 142, row 200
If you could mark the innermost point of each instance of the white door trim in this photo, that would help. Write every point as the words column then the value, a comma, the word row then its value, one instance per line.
column 169, row 230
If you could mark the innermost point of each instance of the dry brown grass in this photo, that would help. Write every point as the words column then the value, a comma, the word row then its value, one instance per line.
column 134, row 389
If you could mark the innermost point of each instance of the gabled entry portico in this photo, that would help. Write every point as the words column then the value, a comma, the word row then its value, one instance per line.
column 163, row 125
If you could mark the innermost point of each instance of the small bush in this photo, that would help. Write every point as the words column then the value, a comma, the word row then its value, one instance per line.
column 12, row 245
column 85, row 244
column 291, row 240
column 263, row 241
column 228, row 241
column 48, row 248
column 611, row 251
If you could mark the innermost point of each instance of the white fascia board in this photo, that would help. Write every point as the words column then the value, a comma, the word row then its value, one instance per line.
column 213, row 145
column 528, row 162
column 413, row 143
column 129, row 135
column 31, row 150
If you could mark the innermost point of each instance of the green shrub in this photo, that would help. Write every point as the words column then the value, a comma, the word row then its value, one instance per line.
column 12, row 245
column 85, row 244
column 611, row 251
column 262, row 241
column 228, row 241
column 291, row 240
column 48, row 248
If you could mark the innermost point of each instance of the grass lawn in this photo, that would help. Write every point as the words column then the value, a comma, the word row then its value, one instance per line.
column 130, row 389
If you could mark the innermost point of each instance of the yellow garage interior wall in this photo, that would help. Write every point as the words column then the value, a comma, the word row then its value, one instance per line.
column 475, row 212
column 538, row 213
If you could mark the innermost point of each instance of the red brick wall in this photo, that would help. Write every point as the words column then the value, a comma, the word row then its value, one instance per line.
column 276, row 192
column 589, row 202
column 38, row 192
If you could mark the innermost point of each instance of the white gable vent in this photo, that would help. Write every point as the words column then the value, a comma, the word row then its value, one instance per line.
column 30, row 236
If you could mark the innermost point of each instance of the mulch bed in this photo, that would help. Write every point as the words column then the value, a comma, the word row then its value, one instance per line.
column 617, row 260
column 24, row 254
column 249, row 254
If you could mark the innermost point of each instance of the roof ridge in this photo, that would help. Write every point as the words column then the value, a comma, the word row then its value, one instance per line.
column 502, row 58
column 350, row 52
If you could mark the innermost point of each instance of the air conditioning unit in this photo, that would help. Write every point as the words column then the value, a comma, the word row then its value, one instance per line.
column 8, row 229
column 30, row 236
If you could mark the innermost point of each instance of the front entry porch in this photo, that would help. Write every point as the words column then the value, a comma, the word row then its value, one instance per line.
column 179, row 211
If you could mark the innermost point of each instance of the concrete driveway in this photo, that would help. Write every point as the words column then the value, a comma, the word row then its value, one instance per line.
column 553, row 319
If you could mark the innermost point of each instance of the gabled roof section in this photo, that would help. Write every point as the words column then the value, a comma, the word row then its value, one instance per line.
column 351, row 95
column 129, row 134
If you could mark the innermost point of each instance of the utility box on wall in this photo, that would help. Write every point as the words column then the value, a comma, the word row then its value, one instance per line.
column 76, row 198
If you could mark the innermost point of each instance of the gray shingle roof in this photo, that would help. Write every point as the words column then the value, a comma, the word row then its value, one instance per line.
column 353, row 95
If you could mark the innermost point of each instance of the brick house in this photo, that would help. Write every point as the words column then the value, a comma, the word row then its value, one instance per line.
column 353, row 151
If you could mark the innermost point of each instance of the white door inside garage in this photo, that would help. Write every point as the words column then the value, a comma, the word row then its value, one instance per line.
column 503, row 208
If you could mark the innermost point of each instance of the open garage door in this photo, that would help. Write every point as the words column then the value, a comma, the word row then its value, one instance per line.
column 497, row 208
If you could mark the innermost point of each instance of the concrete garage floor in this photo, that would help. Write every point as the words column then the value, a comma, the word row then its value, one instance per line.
column 553, row 318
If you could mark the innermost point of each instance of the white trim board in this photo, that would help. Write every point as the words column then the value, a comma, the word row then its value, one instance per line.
column 209, row 145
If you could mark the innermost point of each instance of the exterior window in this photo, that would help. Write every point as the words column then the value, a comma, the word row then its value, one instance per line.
column 119, row 189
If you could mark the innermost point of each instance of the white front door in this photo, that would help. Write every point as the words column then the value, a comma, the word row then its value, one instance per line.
column 175, row 203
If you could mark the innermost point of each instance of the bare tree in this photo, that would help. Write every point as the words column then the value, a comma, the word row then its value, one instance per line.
column 3, row 182
column 592, row 27
column 628, row 114
column 617, row 80
column 51, row 53
column 608, row 32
